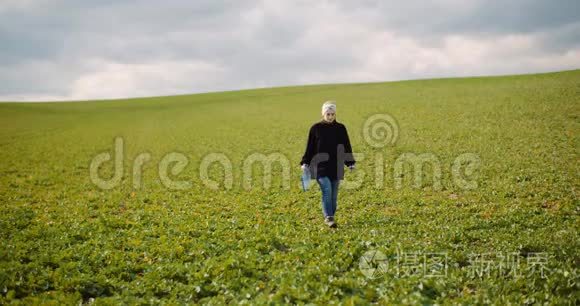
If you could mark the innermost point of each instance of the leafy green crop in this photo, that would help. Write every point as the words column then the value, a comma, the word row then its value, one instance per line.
column 64, row 240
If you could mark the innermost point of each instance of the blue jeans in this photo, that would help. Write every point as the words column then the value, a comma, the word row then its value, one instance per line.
column 329, row 190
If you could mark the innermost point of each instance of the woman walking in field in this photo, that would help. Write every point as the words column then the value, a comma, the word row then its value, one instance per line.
column 327, row 151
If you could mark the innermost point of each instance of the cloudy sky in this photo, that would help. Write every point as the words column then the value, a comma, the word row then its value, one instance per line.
column 75, row 50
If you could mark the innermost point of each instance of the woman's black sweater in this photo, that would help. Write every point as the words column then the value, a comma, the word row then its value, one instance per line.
column 328, row 150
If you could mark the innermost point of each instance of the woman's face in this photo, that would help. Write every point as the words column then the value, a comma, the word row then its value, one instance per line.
column 329, row 116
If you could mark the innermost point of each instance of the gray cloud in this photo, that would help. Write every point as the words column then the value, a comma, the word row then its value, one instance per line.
column 466, row 17
column 111, row 49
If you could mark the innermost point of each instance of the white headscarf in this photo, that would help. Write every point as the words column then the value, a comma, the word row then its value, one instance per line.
column 328, row 105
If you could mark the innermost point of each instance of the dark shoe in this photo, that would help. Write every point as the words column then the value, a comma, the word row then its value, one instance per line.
column 330, row 222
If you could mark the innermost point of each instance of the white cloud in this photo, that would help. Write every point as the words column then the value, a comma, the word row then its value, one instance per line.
column 111, row 79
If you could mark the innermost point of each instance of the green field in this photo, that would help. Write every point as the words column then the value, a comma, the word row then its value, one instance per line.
column 64, row 239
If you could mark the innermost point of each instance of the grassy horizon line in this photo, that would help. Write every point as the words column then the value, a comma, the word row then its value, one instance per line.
column 299, row 86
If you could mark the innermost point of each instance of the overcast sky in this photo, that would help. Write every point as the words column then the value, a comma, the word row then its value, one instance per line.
column 76, row 50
